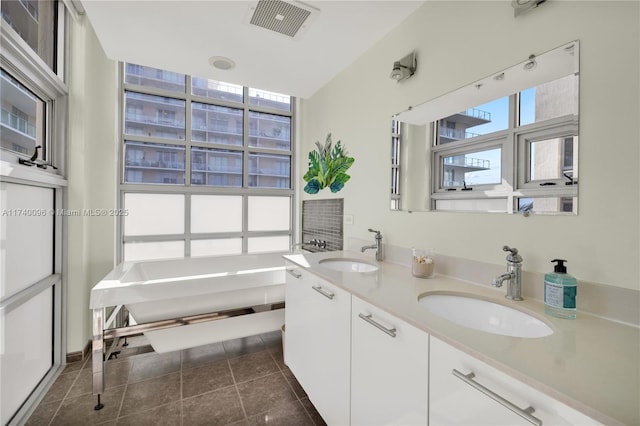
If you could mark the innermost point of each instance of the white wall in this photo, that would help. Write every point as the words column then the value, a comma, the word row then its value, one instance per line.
column 92, row 175
column 458, row 43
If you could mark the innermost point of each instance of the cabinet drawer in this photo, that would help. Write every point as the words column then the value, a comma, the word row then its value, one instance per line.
column 465, row 390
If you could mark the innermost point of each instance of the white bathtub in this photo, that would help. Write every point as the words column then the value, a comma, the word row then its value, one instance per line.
column 158, row 290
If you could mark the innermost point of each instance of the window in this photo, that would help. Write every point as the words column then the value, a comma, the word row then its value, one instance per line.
column 230, row 164
column 33, row 97
column 23, row 118
column 516, row 153
column 35, row 22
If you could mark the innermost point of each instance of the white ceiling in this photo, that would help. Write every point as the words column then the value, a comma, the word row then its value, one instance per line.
column 181, row 36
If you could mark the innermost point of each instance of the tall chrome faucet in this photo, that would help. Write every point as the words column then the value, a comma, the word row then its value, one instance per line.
column 377, row 245
column 514, row 275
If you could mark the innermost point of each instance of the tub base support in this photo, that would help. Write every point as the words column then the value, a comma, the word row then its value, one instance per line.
column 119, row 317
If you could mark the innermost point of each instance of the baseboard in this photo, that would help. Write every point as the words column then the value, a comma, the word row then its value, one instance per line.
column 79, row 355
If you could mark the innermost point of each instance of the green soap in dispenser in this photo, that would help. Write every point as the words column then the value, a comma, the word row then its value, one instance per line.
column 560, row 292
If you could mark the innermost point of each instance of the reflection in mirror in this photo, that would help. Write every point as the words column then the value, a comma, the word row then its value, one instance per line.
column 507, row 143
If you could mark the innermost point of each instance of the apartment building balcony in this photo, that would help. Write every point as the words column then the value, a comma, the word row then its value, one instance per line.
column 457, row 124
column 155, row 165
column 17, row 134
column 450, row 135
column 468, row 164
column 146, row 121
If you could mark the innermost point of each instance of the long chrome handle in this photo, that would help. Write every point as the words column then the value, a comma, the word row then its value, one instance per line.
column 524, row 413
column 294, row 273
column 390, row 331
column 323, row 292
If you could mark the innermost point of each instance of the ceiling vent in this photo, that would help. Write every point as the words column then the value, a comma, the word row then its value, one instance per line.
column 289, row 18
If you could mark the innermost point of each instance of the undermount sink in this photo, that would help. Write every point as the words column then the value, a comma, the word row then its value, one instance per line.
column 484, row 315
column 343, row 264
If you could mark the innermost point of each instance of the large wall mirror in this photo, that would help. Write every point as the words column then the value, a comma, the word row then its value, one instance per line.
column 507, row 143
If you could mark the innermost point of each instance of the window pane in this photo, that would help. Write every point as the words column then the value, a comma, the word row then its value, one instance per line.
column 216, row 213
column 548, row 204
column 269, row 99
column 269, row 171
column 269, row 213
column 553, row 158
column 35, row 22
column 268, row 244
column 22, row 117
column 549, row 100
column 153, row 163
column 216, row 89
column 219, row 247
column 216, row 124
column 495, row 205
column 481, row 120
column 473, row 168
column 216, row 167
column 154, row 214
column 153, row 250
column 153, row 77
column 269, row 131
column 154, row 116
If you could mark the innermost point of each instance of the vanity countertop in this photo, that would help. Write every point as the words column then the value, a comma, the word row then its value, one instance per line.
column 590, row 363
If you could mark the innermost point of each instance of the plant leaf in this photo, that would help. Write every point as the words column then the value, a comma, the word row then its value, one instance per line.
column 312, row 187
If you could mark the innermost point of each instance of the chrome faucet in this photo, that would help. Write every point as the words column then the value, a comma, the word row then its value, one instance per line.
column 513, row 275
column 377, row 245
column 315, row 242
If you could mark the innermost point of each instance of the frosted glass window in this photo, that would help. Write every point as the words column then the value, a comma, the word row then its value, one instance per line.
column 219, row 247
column 269, row 213
column 154, row 214
column 216, row 213
column 25, row 360
column 153, row 250
column 481, row 204
column 26, row 240
column 268, row 244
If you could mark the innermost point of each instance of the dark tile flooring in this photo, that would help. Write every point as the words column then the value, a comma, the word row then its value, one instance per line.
column 237, row 382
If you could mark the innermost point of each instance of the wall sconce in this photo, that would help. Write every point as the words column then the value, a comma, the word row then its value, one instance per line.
column 404, row 68
column 521, row 6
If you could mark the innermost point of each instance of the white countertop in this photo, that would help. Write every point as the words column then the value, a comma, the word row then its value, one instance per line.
column 589, row 363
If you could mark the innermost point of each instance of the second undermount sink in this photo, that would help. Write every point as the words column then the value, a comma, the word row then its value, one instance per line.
column 343, row 264
column 484, row 315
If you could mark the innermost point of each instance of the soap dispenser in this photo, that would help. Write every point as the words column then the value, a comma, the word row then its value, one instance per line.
column 560, row 292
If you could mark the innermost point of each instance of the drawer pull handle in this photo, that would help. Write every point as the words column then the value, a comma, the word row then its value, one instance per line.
column 524, row 413
column 390, row 331
column 294, row 273
column 323, row 292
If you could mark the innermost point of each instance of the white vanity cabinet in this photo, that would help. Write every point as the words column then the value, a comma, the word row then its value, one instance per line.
column 389, row 368
column 318, row 341
column 465, row 390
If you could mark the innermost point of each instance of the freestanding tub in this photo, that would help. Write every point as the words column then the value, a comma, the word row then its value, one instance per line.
column 182, row 303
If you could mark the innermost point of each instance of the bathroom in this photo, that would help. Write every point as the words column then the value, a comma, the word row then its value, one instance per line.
column 456, row 43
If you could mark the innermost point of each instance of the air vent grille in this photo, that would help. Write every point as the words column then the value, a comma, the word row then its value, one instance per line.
column 280, row 16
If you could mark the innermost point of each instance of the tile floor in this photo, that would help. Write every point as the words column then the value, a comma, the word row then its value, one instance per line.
column 238, row 382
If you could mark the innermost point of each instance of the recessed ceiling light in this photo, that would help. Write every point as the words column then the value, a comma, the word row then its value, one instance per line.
column 221, row 63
